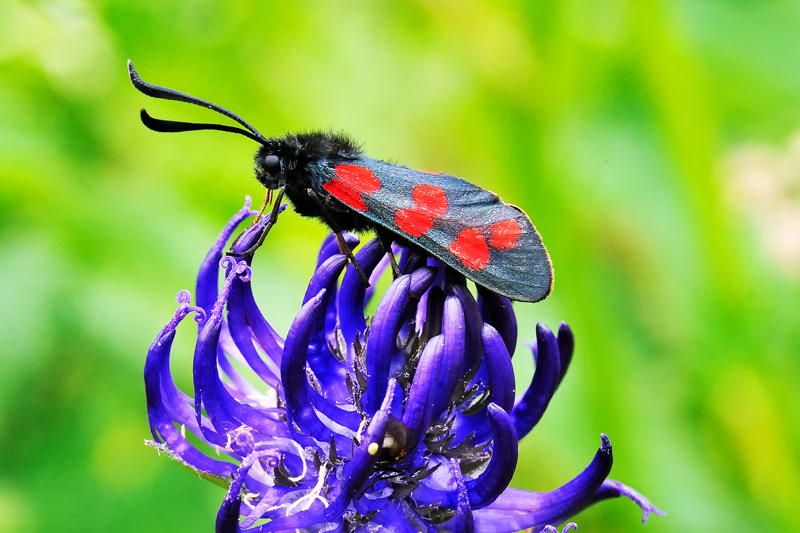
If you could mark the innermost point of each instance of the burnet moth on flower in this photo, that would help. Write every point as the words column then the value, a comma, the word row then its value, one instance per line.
column 326, row 176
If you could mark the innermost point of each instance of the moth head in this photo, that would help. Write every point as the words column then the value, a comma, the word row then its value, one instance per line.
column 270, row 165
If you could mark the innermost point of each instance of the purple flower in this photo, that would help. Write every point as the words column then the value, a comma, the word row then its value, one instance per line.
column 407, row 421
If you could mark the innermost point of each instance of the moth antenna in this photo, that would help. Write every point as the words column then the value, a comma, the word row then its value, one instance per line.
column 170, row 94
column 173, row 126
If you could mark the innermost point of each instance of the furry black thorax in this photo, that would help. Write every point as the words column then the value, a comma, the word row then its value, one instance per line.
column 297, row 152
column 298, row 155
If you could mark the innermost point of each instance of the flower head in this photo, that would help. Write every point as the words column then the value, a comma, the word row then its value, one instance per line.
column 405, row 421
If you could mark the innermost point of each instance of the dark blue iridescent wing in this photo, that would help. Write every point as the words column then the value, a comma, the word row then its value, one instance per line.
column 467, row 227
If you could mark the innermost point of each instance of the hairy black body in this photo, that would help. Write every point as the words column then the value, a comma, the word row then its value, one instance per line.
column 297, row 154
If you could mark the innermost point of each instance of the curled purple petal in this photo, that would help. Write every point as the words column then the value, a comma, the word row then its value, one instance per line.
column 253, row 233
column 243, row 302
column 242, row 335
column 474, row 325
column 487, row 487
column 228, row 514
column 614, row 489
column 330, row 246
column 208, row 278
column 352, row 292
column 430, row 313
column 422, row 395
column 497, row 311
column 566, row 346
column 327, row 369
column 374, row 276
column 207, row 386
column 184, row 298
column 344, row 418
column 421, row 281
column 382, row 342
column 516, row 509
column 499, row 368
column 412, row 260
column 293, row 371
column 452, row 368
column 532, row 404
column 325, row 275
column 161, row 423
column 225, row 413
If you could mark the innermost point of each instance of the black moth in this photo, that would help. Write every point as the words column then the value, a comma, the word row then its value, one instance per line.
column 326, row 176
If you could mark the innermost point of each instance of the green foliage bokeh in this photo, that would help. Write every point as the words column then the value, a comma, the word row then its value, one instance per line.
column 611, row 122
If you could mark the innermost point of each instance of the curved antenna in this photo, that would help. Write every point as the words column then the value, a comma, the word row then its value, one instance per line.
column 170, row 94
column 173, row 126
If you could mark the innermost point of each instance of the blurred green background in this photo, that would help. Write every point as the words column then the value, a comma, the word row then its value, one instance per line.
column 652, row 143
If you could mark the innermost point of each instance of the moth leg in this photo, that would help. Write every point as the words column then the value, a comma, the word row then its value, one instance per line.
column 343, row 246
column 267, row 200
column 273, row 218
column 345, row 249
column 257, row 218
column 386, row 242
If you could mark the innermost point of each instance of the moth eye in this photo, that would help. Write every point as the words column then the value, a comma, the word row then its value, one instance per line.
column 272, row 164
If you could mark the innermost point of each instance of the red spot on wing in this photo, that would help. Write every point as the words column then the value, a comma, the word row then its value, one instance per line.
column 430, row 202
column 413, row 222
column 471, row 249
column 430, row 199
column 350, row 183
column 505, row 234
column 358, row 178
column 345, row 194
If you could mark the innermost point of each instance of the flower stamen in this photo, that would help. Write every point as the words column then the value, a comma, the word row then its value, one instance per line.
column 322, row 478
